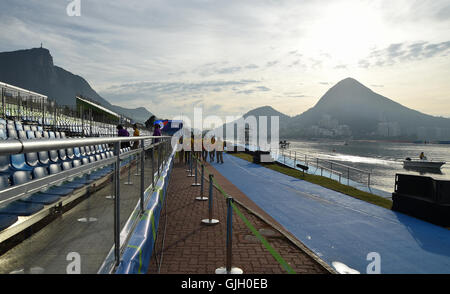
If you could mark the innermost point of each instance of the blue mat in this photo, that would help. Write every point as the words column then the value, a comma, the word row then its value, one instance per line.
column 339, row 228
column 7, row 220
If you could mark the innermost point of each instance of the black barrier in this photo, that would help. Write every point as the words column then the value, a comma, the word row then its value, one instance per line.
column 417, row 186
column 422, row 197
column 443, row 192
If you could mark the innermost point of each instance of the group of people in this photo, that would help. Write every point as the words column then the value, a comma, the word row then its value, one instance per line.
column 122, row 132
column 214, row 151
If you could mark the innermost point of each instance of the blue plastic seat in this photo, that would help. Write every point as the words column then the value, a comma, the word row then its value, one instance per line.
column 41, row 198
column 7, row 220
column 18, row 162
column 38, row 135
column 3, row 135
column 19, row 208
column 32, row 158
column 4, row 182
column 75, row 184
column 12, row 134
column 40, row 172
column 19, row 126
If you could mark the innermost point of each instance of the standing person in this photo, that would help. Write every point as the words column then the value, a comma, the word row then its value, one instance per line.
column 157, row 133
column 211, row 153
column 204, row 151
column 219, row 150
column 136, row 133
column 181, row 152
column 121, row 132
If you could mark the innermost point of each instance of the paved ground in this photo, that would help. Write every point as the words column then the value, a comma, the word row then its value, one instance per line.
column 343, row 231
column 190, row 247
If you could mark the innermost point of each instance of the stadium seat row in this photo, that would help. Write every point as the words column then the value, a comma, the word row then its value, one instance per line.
column 21, row 168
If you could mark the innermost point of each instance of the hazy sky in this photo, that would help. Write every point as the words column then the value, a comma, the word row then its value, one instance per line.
column 232, row 56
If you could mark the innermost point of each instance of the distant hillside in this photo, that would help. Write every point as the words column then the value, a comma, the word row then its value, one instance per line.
column 265, row 111
column 33, row 69
column 350, row 109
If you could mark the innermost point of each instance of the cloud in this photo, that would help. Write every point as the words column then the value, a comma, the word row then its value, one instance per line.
column 272, row 63
column 404, row 52
column 341, row 66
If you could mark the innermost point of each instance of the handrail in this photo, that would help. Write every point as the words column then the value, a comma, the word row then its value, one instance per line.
column 16, row 146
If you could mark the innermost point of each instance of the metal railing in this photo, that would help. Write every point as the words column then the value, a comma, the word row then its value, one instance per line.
column 145, row 150
column 338, row 169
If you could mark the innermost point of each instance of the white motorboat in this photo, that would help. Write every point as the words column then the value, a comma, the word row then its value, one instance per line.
column 422, row 163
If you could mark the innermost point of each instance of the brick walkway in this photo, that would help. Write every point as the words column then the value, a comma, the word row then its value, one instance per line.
column 191, row 247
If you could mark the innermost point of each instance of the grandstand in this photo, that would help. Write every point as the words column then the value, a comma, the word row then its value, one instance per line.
column 54, row 159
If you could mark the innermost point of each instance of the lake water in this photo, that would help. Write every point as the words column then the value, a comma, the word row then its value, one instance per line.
column 382, row 159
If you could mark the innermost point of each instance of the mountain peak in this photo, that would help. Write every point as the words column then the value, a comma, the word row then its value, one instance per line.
column 350, row 83
column 265, row 111
column 37, row 56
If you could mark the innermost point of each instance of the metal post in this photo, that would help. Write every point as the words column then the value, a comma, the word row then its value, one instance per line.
column 3, row 104
column 295, row 158
column 210, row 220
column 129, row 182
column 138, row 156
column 191, row 162
column 348, row 176
column 159, row 159
column 196, row 183
column 153, row 167
column 202, row 198
column 228, row 269
column 368, row 181
column 142, row 176
column 117, row 204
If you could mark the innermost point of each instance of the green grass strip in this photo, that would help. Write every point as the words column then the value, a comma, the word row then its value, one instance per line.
column 255, row 232
column 266, row 244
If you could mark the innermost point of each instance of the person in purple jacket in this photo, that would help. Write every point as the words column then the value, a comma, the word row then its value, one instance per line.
column 121, row 132
column 157, row 132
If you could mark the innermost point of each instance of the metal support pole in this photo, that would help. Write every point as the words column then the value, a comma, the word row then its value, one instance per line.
column 142, row 176
column 196, row 183
column 112, row 187
column 210, row 220
column 153, row 167
column 368, row 181
column 129, row 182
column 348, row 176
column 159, row 160
column 137, row 165
column 117, row 204
column 202, row 180
column 190, row 166
column 228, row 269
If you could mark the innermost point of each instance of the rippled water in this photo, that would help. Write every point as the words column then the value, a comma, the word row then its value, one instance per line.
column 382, row 159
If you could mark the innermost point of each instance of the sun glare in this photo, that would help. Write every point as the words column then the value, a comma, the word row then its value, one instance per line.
column 346, row 32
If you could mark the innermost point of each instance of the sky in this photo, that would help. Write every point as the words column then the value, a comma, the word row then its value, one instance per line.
column 228, row 57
